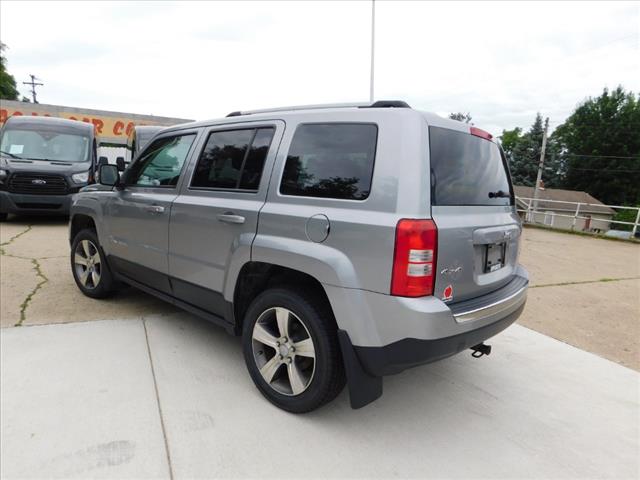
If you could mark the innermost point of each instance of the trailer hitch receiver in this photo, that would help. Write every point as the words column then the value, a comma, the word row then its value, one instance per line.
column 480, row 350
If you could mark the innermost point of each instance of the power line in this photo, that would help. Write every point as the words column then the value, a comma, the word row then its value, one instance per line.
column 33, row 84
column 598, row 156
column 602, row 170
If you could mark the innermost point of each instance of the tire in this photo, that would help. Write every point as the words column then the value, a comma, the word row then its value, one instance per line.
column 319, row 379
column 3, row 217
column 98, row 281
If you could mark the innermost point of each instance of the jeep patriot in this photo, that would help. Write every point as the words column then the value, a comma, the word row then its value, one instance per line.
column 343, row 243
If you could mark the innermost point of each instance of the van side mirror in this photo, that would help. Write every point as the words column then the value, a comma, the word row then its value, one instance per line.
column 109, row 175
column 120, row 164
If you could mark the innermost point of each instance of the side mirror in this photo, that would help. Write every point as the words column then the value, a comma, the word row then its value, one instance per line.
column 109, row 175
column 120, row 164
column 102, row 161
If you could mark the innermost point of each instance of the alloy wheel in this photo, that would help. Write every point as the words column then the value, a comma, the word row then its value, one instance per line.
column 86, row 260
column 283, row 351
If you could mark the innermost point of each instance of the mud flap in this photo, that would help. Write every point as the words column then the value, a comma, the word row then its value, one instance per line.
column 363, row 387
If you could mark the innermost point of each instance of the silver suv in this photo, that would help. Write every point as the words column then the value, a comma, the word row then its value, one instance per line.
column 344, row 243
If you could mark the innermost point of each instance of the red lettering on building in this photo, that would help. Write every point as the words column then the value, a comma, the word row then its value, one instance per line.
column 97, row 125
column 117, row 128
column 129, row 128
column 3, row 115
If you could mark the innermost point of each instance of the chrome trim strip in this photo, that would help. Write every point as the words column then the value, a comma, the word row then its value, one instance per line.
column 508, row 303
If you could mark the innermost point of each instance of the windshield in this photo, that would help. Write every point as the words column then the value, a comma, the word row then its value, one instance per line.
column 46, row 145
column 466, row 170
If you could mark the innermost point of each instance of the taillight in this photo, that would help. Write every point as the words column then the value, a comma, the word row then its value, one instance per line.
column 478, row 132
column 414, row 260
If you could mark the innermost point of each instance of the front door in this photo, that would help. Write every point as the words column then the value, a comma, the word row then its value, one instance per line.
column 138, row 215
column 215, row 217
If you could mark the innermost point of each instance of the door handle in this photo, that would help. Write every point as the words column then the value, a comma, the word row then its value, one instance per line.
column 154, row 209
column 230, row 217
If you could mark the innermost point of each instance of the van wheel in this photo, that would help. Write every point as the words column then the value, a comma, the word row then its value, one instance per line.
column 89, row 267
column 291, row 349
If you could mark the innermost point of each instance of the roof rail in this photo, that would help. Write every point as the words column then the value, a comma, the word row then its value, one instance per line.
column 388, row 104
column 378, row 104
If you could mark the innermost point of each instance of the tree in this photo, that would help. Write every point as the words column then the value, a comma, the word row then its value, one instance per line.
column 523, row 154
column 461, row 117
column 600, row 146
column 8, row 89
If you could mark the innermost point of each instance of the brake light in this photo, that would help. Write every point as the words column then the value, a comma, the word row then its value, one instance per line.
column 414, row 259
column 478, row 132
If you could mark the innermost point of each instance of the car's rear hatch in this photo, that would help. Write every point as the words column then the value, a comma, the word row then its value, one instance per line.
column 472, row 206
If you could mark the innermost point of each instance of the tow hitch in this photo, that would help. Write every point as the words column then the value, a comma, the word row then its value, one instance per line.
column 480, row 350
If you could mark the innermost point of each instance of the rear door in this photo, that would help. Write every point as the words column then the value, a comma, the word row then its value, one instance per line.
column 215, row 217
column 472, row 206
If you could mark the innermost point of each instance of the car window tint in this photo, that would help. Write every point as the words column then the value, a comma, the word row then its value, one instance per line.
column 466, row 169
column 233, row 159
column 332, row 160
column 162, row 162
column 255, row 159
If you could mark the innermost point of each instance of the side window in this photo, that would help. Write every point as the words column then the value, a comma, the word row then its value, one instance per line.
column 233, row 159
column 331, row 160
column 161, row 163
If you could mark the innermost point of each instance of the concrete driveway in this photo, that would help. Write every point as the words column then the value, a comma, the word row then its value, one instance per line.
column 132, row 388
column 168, row 396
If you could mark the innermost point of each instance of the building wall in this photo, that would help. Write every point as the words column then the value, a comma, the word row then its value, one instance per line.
column 111, row 127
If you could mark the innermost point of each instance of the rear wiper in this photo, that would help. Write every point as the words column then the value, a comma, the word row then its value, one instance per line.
column 12, row 155
column 499, row 194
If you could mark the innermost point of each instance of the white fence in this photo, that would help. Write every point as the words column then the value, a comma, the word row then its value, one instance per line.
column 532, row 213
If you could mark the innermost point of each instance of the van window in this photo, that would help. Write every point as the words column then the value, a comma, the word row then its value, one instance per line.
column 331, row 160
column 233, row 159
column 465, row 169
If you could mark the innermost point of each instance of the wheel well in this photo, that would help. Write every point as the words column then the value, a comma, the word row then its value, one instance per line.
column 255, row 277
column 80, row 222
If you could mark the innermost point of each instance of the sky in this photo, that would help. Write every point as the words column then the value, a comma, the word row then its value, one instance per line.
column 502, row 62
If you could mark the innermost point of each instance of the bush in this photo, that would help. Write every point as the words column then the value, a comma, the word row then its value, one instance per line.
column 624, row 216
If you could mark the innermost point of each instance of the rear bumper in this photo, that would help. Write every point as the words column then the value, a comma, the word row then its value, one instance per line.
column 464, row 325
column 24, row 204
column 410, row 352
column 426, row 330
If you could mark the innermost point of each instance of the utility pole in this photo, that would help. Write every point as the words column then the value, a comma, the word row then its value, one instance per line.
column 536, row 192
column 33, row 84
column 373, row 37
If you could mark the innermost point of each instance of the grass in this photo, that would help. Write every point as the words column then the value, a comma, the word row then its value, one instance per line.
column 15, row 237
column 36, row 266
column 29, row 297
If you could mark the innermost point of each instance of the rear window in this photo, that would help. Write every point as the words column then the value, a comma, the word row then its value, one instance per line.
column 466, row 169
column 331, row 160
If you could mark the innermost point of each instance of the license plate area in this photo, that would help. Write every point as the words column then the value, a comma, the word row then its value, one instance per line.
column 494, row 257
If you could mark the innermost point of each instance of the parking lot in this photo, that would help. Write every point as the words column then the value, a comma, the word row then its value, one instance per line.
column 132, row 387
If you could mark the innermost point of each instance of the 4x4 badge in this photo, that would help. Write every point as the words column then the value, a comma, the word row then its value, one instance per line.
column 447, row 295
